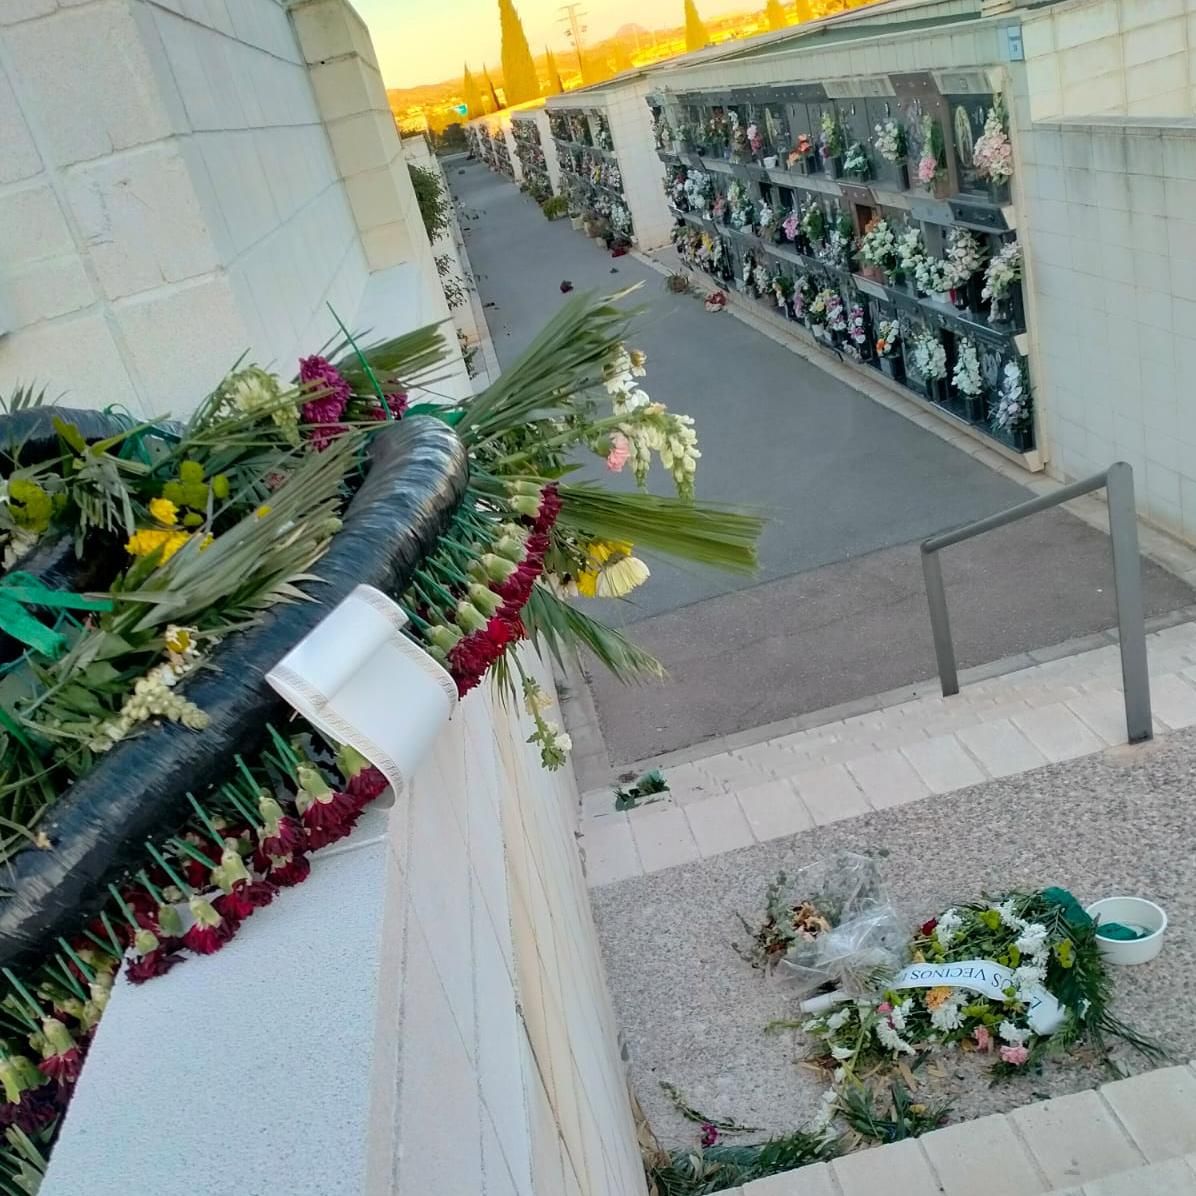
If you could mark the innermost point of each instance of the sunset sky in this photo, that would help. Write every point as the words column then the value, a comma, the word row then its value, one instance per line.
column 424, row 41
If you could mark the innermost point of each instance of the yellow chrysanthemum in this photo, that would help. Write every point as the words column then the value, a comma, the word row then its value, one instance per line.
column 164, row 511
column 150, row 539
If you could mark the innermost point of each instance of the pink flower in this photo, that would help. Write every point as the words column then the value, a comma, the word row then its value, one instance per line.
column 928, row 167
column 620, row 452
column 709, row 1134
column 1016, row 1055
column 884, row 1007
column 984, row 1040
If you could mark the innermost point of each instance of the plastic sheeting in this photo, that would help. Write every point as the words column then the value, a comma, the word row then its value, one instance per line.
column 417, row 477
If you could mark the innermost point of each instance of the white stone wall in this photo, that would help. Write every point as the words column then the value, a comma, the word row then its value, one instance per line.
column 168, row 198
column 631, row 130
column 427, row 1014
column 1111, row 206
column 1124, row 57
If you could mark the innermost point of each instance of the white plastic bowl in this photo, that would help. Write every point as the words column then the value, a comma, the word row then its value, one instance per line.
column 1130, row 911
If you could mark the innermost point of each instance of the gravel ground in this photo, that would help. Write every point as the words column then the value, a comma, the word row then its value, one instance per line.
column 693, row 1012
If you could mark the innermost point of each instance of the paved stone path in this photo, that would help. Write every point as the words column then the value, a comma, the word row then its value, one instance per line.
column 1134, row 1137
column 849, row 486
column 900, row 752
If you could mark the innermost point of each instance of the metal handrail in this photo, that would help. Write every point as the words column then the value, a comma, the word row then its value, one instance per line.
column 1118, row 480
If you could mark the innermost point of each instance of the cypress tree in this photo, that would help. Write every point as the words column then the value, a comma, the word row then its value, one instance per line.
column 495, row 105
column 471, row 94
column 775, row 14
column 695, row 32
column 555, row 86
column 518, row 70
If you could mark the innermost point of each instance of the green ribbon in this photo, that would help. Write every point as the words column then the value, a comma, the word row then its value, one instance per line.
column 18, row 590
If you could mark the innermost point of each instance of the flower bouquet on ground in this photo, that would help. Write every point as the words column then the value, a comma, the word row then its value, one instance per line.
column 832, row 924
column 1017, row 980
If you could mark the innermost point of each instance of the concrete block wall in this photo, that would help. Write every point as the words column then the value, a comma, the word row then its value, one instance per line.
column 1094, row 57
column 455, row 1031
column 626, row 108
column 168, row 198
column 1111, row 206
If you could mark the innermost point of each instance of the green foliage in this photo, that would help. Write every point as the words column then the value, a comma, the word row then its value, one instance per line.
column 716, row 1168
column 710, row 534
column 433, row 203
column 472, row 94
column 555, row 86
column 648, row 786
column 902, row 1119
column 520, row 82
column 564, row 630
column 696, row 36
column 555, row 206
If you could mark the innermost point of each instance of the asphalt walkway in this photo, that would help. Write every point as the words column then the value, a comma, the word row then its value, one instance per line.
column 837, row 610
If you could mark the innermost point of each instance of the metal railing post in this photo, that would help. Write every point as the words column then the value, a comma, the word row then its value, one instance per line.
column 1131, row 617
column 940, row 621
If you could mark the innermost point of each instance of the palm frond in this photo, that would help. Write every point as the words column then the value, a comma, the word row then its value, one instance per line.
column 564, row 630
column 565, row 358
column 721, row 537
column 398, row 363
column 252, row 565
column 23, row 399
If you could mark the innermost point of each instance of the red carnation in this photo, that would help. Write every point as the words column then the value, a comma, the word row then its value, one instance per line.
column 322, row 836
column 927, row 928
column 367, row 784
column 550, row 508
column 235, row 905
column 154, row 963
column 64, row 1068
column 206, row 940
column 397, row 404
column 35, row 1110
column 286, row 836
column 290, row 870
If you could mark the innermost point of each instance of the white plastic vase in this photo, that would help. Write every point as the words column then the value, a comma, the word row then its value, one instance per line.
column 361, row 681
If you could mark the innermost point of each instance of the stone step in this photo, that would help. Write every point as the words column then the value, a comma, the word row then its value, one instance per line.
column 1134, row 1137
column 902, row 751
